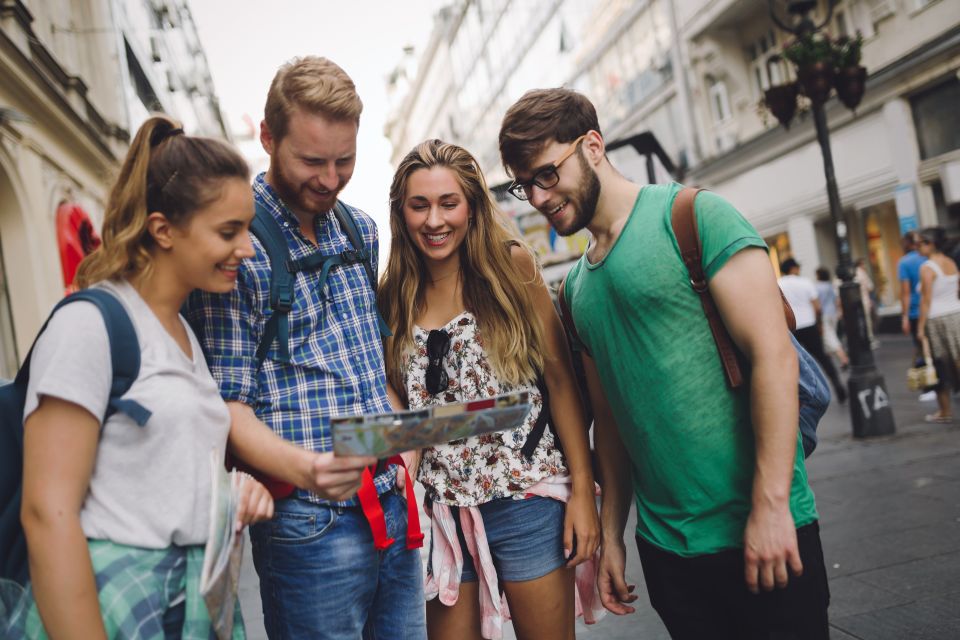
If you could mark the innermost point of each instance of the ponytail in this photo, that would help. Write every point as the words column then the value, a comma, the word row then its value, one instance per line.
column 164, row 171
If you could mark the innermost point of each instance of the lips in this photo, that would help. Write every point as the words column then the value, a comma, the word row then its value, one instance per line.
column 557, row 211
column 436, row 239
column 229, row 270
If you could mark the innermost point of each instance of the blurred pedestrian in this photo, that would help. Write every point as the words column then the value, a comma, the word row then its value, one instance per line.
column 116, row 514
column 830, row 315
column 939, row 320
column 473, row 320
column 327, row 562
column 804, row 298
column 862, row 277
column 718, row 473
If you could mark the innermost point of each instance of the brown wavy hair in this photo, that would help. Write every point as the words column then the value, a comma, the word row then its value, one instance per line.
column 494, row 287
column 164, row 171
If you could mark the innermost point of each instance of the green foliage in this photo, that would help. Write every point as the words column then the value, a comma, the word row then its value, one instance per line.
column 847, row 51
column 813, row 48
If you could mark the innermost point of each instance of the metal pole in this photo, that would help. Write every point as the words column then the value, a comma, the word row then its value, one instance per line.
column 870, row 411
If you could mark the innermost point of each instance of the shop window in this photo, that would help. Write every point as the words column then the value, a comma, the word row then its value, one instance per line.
column 937, row 118
column 779, row 246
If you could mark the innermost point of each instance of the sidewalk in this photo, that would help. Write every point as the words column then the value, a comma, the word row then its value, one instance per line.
column 890, row 524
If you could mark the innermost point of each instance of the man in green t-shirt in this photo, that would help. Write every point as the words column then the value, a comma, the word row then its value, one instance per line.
column 726, row 521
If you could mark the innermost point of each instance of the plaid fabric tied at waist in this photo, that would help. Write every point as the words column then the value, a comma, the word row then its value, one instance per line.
column 137, row 587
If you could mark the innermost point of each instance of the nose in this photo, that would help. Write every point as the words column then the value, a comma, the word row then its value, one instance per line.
column 328, row 178
column 245, row 248
column 434, row 217
column 538, row 196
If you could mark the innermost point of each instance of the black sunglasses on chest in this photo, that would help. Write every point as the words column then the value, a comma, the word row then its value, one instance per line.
column 438, row 345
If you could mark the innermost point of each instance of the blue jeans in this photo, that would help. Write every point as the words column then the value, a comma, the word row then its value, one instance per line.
column 321, row 577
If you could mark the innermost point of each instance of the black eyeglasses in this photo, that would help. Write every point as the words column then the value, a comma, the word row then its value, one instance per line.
column 438, row 345
column 546, row 178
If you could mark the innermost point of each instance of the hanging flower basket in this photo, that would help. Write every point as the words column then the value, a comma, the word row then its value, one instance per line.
column 850, row 83
column 816, row 80
column 781, row 100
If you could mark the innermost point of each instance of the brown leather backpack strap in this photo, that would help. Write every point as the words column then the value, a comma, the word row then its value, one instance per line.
column 684, row 221
column 567, row 317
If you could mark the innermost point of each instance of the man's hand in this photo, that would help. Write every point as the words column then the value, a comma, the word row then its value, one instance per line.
column 336, row 478
column 769, row 547
column 905, row 325
column 615, row 593
column 255, row 503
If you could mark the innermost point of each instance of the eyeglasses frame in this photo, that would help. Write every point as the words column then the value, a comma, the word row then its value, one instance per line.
column 519, row 189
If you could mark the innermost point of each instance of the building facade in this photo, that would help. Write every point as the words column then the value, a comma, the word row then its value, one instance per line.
column 693, row 72
column 76, row 77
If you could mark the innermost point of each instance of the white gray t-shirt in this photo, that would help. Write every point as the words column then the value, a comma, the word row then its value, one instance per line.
column 150, row 485
column 800, row 293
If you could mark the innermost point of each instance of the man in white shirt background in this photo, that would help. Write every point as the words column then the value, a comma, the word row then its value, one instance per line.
column 801, row 293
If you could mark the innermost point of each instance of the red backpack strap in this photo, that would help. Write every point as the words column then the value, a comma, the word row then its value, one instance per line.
column 567, row 317
column 684, row 222
column 373, row 511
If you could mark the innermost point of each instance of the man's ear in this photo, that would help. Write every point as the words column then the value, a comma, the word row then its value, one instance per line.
column 160, row 229
column 266, row 138
column 594, row 146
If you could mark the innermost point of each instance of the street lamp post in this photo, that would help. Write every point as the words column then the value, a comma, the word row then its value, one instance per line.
column 870, row 410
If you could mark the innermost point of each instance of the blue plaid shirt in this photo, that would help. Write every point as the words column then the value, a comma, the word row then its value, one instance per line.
column 336, row 363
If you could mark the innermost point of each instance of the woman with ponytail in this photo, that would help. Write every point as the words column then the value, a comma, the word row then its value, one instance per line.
column 116, row 514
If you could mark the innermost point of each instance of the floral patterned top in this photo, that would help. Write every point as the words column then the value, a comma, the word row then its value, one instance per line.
column 476, row 470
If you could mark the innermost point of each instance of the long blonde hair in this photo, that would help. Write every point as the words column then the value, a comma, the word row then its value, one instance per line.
column 494, row 288
column 164, row 171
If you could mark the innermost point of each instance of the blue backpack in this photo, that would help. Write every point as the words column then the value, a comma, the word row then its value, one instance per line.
column 125, row 359
column 283, row 270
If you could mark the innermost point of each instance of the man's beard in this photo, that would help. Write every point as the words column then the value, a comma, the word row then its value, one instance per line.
column 292, row 195
column 584, row 201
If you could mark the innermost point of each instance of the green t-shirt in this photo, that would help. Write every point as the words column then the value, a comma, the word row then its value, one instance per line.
column 689, row 435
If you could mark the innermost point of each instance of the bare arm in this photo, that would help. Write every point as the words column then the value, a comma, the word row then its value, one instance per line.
column 331, row 477
column 905, row 306
column 59, row 449
column 746, row 294
column 567, row 416
column 927, row 277
column 614, row 471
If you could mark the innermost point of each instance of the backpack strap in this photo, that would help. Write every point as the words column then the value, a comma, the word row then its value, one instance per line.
column 349, row 225
column 266, row 229
column 684, row 221
column 283, row 269
column 124, row 351
column 567, row 317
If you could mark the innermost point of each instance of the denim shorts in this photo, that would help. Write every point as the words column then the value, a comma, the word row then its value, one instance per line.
column 525, row 538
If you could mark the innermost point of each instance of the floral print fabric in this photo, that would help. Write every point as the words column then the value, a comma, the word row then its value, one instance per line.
column 476, row 470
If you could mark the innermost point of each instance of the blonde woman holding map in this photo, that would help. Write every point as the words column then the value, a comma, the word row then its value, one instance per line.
column 472, row 319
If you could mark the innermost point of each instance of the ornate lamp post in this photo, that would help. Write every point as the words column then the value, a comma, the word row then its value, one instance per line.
column 820, row 66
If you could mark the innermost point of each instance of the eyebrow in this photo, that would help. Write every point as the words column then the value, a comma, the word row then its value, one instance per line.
column 442, row 196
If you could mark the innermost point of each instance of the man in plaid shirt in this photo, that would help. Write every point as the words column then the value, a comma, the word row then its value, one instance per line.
column 320, row 573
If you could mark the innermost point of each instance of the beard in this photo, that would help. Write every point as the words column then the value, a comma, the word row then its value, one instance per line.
column 584, row 201
column 296, row 197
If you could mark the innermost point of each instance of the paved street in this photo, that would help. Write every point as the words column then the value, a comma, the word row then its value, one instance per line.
column 890, row 523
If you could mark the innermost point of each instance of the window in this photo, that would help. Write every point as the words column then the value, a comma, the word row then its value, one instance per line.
column 719, row 100
column 765, row 73
column 937, row 119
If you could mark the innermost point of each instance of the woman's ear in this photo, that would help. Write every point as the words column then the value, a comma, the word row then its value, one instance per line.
column 160, row 229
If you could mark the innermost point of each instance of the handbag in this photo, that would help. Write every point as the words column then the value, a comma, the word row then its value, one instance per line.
column 921, row 377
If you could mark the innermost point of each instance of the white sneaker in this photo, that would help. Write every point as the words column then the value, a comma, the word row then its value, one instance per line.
column 929, row 396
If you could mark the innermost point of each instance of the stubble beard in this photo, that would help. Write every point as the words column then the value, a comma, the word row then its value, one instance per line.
column 292, row 195
column 584, row 201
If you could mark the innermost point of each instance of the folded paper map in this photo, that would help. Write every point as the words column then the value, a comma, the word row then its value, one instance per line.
column 220, row 576
column 386, row 434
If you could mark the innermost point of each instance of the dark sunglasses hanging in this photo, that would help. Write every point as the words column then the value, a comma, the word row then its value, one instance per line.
column 438, row 345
